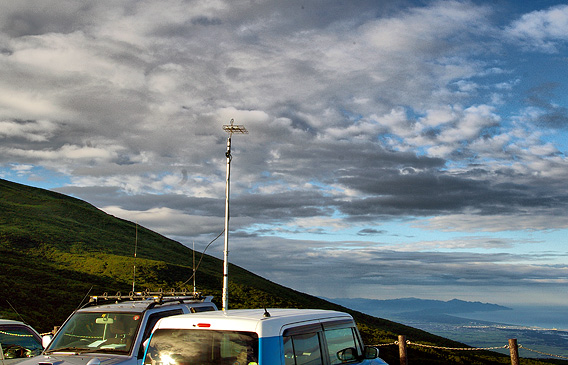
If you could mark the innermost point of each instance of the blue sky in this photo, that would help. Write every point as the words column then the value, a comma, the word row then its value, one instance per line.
column 395, row 148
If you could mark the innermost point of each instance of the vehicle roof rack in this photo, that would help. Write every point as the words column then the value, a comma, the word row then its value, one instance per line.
column 155, row 297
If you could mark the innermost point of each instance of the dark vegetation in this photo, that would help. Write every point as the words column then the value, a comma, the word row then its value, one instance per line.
column 55, row 249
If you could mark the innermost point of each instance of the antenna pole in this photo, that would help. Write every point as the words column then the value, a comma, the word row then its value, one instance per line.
column 194, row 273
column 232, row 128
column 226, row 249
column 135, row 248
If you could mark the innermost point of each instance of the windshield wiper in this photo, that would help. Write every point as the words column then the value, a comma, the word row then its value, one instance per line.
column 111, row 350
column 76, row 350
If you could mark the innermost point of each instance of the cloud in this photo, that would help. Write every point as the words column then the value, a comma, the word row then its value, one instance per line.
column 371, row 232
column 548, row 114
column 173, row 223
column 359, row 113
column 143, row 100
column 542, row 30
column 311, row 264
column 495, row 223
column 35, row 131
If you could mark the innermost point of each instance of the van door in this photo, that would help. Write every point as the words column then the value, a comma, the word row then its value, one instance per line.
column 303, row 345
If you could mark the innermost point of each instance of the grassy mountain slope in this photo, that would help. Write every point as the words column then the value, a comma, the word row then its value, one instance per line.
column 54, row 250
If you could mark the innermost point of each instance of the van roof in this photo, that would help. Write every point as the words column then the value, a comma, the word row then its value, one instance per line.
column 140, row 306
column 251, row 320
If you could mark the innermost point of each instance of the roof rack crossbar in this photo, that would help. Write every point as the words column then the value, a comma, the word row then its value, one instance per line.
column 158, row 297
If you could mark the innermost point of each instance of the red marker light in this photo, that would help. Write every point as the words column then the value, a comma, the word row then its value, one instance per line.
column 203, row 325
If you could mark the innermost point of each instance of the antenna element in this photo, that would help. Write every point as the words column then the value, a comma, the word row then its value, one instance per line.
column 229, row 128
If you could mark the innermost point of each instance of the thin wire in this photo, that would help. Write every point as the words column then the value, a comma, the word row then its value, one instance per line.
column 201, row 258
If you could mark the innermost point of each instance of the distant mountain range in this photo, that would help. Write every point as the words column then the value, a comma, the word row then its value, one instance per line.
column 453, row 319
column 414, row 306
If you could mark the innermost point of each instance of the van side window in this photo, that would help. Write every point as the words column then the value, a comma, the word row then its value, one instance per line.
column 152, row 320
column 302, row 349
column 340, row 339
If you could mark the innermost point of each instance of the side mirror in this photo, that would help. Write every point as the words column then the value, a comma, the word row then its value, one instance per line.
column 371, row 352
column 348, row 354
column 46, row 340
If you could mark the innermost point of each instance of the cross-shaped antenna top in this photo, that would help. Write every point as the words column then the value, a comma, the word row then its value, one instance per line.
column 234, row 128
column 229, row 128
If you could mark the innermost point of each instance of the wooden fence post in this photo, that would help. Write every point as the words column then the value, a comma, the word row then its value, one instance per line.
column 514, row 350
column 402, row 350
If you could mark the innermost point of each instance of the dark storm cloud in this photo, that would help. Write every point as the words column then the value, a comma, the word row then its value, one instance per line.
column 317, row 14
column 282, row 206
column 21, row 19
column 371, row 232
column 432, row 193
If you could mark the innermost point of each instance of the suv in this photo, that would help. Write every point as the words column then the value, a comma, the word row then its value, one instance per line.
column 18, row 341
column 112, row 329
column 257, row 336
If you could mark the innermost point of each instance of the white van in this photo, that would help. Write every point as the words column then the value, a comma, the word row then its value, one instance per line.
column 259, row 337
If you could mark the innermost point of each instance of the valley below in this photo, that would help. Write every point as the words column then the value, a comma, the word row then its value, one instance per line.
column 541, row 332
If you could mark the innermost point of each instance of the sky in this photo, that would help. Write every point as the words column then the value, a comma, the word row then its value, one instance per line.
column 395, row 148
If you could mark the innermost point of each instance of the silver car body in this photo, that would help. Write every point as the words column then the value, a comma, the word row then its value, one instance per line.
column 18, row 341
column 112, row 333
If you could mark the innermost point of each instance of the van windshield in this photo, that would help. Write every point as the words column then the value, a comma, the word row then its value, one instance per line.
column 201, row 347
column 97, row 332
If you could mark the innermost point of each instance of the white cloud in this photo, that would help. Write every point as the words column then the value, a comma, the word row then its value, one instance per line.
column 469, row 125
column 35, row 131
column 169, row 222
column 542, row 29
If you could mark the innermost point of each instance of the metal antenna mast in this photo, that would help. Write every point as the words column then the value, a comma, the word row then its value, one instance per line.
column 194, row 272
column 229, row 128
column 135, row 248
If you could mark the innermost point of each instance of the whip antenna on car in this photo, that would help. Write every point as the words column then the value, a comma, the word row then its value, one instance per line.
column 229, row 128
column 14, row 309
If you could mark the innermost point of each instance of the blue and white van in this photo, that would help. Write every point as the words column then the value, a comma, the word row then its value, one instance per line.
column 259, row 337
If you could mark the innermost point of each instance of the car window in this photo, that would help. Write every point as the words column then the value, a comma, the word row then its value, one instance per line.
column 202, row 309
column 337, row 340
column 302, row 349
column 106, row 332
column 19, row 342
column 152, row 320
column 197, row 346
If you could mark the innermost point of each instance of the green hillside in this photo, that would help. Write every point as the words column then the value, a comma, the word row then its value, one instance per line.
column 55, row 250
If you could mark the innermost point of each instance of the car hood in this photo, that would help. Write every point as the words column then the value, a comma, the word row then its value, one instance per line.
column 82, row 359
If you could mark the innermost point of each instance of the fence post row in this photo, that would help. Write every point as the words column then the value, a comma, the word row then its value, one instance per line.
column 402, row 350
column 514, row 350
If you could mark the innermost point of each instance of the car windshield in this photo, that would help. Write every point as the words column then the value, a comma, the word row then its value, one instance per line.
column 201, row 347
column 97, row 332
column 18, row 342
